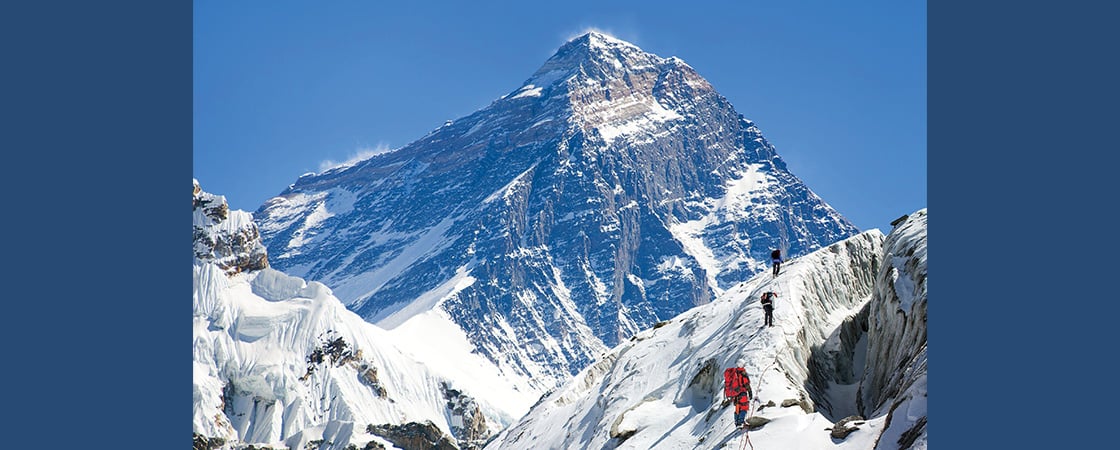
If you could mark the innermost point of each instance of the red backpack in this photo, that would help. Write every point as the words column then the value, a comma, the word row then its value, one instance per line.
column 735, row 381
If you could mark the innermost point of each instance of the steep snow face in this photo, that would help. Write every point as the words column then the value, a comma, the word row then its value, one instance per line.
column 280, row 361
column 895, row 380
column 612, row 190
column 663, row 387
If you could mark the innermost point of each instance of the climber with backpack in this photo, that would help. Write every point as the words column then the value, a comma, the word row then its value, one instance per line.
column 776, row 257
column 768, row 306
column 737, row 389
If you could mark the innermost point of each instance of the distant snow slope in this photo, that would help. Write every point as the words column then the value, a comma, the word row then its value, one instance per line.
column 849, row 339
column 280, row 361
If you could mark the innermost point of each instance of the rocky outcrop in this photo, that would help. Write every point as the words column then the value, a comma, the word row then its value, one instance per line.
column 334, row 351
column 414, row 436
column 846, row 426
column 756, row 422
column 468, row 424
column 207, row 443
column 227, row 238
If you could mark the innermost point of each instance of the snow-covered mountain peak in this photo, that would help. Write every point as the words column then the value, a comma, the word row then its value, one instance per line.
column 596, row 58
column 612, row 88
column 613, row 190
column 601, row 39
column 594, row 50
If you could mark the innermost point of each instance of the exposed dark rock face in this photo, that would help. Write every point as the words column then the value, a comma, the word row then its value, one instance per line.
column 846, row 426
column 414, row 436
column 911, row 435
column 756, row 422
column 468, row 424
column 802, row 403
column 207, row 443
column 336, row 352
column 228, row 239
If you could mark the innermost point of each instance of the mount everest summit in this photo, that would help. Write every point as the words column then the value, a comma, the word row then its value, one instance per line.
column 612, row 190
column 595, row 236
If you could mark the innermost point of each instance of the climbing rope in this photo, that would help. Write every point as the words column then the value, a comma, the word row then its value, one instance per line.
column 773, row 286
column 746, row 438
column 746, row 441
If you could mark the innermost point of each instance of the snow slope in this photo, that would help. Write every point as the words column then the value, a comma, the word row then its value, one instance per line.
column 663, row 388
column 280, row 361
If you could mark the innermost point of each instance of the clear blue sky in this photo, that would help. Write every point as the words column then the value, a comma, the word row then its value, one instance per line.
column 280, row 88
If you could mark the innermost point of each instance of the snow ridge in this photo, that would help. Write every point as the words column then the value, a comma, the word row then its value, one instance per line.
column 662, row 388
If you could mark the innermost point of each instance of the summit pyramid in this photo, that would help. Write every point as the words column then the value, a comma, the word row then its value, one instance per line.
column 612, row 190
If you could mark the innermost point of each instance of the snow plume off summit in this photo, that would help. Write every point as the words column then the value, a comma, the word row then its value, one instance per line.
column 612, row 190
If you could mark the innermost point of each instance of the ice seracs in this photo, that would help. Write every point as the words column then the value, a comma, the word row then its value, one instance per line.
column 279, row 361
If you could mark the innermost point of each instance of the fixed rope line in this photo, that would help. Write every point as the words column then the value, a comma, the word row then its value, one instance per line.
column 746, row 441
column 750, row 411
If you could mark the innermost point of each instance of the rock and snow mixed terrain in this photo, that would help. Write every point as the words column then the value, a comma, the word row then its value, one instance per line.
column 663, row 388
column 280, row 361
column 614, row 189
column 596, row 235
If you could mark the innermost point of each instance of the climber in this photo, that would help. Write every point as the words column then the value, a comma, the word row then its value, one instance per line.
column 776, row 257
column 737, row 388
column 768, row 306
